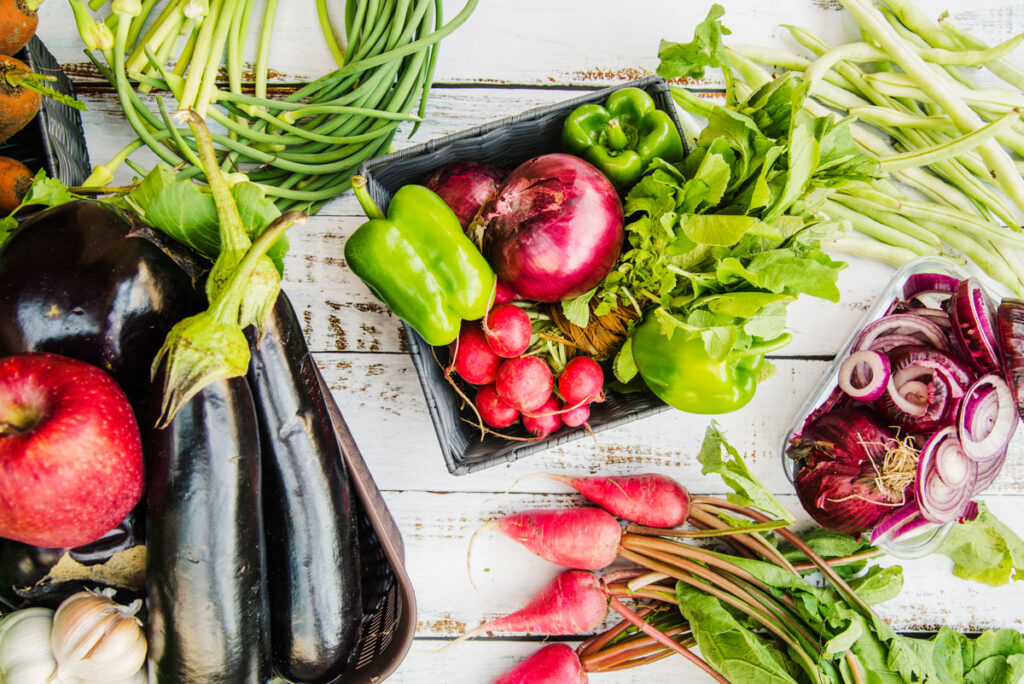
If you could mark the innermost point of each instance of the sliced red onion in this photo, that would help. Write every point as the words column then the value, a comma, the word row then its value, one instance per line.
column 912, row 528
column 926, row 331
column 886, row 343
column 890, row 524
column 917, row 406
column 914, row 363
column 970, row 513
column 920, row 283
column 987, row 419
column 872, row 365
column 936, row 316
column 971, row 317
column 988, row 472
column 1010, row 325
column 939, row 500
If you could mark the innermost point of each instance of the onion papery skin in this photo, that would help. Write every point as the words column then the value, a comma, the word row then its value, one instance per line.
column 553, row 230
column 839, row 456
column 465, row 186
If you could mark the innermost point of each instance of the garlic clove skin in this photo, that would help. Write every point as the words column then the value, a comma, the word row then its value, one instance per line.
column 98, row 640
column 25, row 655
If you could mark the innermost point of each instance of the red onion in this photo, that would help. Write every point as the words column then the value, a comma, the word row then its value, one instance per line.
column 987, row 418
column 916, row 405
column 872, row 364
column 1010, row 325
column 841, row 481
column 465, row 186
column 554, row 229
column 903, row 324
column 889, row 526
column 921, row 283
column 945, row 478
column 972, row 326
column 988, row 472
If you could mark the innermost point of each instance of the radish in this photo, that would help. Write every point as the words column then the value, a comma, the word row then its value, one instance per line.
column 553, row 664
column 575, row 416
column 508, row 330
column 472, row 358
column 581, row 382
column 546, row 420
column 582, row 538
column 525, row 382
column 493, row 409
column 503, row 293
column 647, row 499
column 573, row 603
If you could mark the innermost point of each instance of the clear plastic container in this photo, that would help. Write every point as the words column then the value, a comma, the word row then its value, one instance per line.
column 929, row 539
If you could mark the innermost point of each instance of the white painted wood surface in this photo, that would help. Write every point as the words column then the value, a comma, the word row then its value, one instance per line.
column 509, row 57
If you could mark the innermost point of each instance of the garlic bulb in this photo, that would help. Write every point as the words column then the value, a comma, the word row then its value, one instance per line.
column 25, row 655
column 96, row 639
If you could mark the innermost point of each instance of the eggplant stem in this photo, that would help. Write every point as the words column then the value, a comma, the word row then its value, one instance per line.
column 660, row 636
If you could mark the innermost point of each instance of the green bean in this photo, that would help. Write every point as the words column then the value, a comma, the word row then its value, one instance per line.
column 924, row 157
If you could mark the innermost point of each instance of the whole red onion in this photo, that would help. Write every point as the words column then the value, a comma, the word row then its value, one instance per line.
column 464, row 186
column 554, row 229
column 839, row 481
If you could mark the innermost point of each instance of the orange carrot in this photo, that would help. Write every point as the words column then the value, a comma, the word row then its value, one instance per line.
column 18, row 21
column 15, row 180
column 18, row 103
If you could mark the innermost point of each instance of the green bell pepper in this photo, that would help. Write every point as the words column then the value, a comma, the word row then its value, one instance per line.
column 680, row 372
column 622, row 137
column 418, row 261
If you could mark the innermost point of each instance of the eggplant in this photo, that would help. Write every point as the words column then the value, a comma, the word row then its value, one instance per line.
column 85, row 281
column 205, row 574
column 310, row 523
column 46, row 577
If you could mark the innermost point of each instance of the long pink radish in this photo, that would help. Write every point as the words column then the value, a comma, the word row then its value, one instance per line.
column 581, row 538
column 553, row 664
column 573, row 603
column 648, row 499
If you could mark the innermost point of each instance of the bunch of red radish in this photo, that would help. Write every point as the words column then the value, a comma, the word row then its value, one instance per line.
column 577, row 600
column 512, row 385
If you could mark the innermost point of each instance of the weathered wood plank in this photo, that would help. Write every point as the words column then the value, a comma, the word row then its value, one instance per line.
column 381, row 399
column 543, row 43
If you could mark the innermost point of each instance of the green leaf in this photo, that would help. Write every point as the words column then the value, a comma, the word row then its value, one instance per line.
column 769, row 323
column 843, row 641
column 745, row 304
column 577, row 310
column 748, row 490
column 719, row 341
column 716, row 229
column 46, row 192
column 689, row 60
column 781, row 269
column 879, row 584
column 715, row 173
column 731, row 649
column 624, row 367
column 985, row 550
column 140, row 198
column 188, row 215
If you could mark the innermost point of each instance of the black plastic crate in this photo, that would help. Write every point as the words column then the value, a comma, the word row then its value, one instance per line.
column 505, row 143
column 54, row 139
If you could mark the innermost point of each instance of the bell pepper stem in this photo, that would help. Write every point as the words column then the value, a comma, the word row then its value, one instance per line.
column 761, row 348
column 616, row 137
column 370, row 207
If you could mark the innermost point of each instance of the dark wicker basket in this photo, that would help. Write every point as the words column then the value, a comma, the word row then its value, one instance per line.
column 505, row 143
column 54, row 140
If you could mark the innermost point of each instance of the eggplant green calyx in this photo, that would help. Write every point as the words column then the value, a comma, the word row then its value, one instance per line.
column 211, row 346
column 265, row 283
column 418, row 261
column 623, row 136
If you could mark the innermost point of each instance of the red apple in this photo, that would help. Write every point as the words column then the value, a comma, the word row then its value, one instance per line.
column 70, row 453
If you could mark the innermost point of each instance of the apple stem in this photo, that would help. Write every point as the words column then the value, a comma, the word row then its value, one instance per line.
column 10, row 429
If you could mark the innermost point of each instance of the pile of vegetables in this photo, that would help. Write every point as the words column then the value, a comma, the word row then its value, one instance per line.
column 924, row 410
column 761, row 601
column 214, row 363
column 949, row 150
column 300, row 149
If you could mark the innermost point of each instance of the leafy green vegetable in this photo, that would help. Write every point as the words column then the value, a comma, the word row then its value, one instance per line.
column 985, row 550
column 688, row 60
column 748, row 490
column 44, row 192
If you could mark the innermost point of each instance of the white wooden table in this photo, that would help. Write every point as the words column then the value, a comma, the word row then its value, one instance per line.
column 511, row 56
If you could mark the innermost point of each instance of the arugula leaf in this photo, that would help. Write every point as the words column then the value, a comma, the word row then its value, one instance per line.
column 716, row 229
column 748, row 490
column 624, row 367
column 985, row 550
